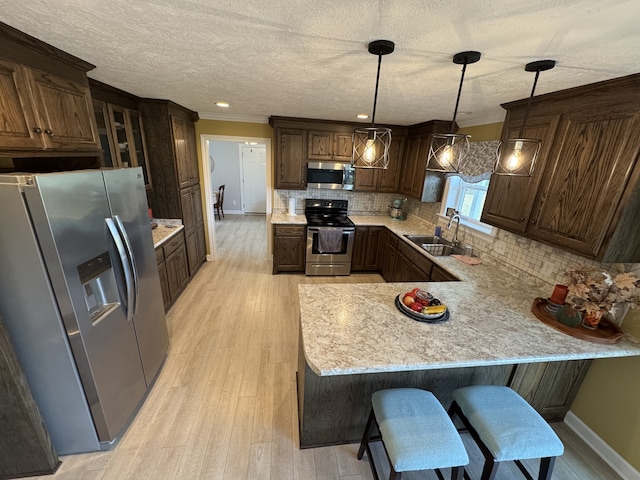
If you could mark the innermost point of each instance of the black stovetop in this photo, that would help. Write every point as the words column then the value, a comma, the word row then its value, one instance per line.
column 327, row 213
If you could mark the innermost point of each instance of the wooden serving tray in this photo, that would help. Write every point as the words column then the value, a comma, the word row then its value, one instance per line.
column 607, row 331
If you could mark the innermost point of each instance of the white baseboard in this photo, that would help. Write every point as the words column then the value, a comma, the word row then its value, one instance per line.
column 231, row 212
column 601, row 448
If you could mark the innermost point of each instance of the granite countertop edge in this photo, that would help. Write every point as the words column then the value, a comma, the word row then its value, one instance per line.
column 166, row 230
column 491, row 321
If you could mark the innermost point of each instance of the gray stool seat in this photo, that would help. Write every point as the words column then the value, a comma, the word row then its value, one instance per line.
column 416, row 432
column 506, row 427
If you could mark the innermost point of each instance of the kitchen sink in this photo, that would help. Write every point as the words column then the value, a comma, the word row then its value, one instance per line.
column 436, row 246
column 431, row 240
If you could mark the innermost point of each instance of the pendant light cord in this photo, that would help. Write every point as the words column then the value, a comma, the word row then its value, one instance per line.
column 455, row 111
column 375, row 97
column 526, row 113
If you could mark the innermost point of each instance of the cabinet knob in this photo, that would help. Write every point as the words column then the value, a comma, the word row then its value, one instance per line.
column 48, row 132
column 37, row 129
column 533, row 222
column 521, row 219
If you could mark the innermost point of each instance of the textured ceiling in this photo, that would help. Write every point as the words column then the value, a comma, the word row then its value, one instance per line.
column 308, row 58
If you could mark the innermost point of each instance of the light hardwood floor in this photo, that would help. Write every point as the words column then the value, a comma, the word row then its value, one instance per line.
column 224, row 404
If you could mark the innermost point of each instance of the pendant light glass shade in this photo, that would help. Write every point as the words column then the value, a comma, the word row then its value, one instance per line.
column 371, row 147
column 517, row 156
column 371, row 144
column 448, row 150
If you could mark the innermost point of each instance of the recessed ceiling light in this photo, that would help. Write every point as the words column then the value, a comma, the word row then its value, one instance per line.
column 362, row 115
column 222, row 104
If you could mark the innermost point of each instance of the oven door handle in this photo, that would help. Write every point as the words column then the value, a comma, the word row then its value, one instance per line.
column 344, row 229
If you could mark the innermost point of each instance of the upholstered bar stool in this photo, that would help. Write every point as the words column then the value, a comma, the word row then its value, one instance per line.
column 416, row 432
column 506, row 428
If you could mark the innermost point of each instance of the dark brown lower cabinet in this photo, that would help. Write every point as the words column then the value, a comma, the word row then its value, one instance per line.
column 172, row 269
column 25, row 446
column 439, row 274
column 164, row 283
column 191, row 205
column 411, row 265
column 387, row 249
column 366, row 249
column 375, row 249
column 289, row 246
column 550, row 387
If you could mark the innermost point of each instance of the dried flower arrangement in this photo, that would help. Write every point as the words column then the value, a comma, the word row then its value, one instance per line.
column 591, row 290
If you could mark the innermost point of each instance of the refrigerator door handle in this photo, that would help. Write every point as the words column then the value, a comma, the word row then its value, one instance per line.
column 126, row 267
column 132, row 261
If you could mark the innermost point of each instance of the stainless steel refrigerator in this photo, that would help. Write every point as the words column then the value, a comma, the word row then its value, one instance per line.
column 80, row 294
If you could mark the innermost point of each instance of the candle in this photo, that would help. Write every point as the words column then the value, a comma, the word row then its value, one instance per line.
column 559, row 294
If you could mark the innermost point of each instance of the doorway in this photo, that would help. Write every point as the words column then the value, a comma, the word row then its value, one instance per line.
column 245, row 174
column 253, row 161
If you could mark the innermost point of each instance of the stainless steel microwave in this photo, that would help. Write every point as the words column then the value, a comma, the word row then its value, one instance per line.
column 332, row 175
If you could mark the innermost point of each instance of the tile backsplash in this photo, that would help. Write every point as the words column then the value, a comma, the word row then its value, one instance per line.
column 516, row 253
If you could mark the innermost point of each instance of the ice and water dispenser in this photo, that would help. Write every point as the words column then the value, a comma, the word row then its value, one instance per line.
column 99, row 286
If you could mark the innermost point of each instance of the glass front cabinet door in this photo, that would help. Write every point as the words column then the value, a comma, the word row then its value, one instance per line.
column 104, row 134
column 128, row 144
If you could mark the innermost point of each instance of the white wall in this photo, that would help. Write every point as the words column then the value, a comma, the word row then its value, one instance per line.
column 225, row 170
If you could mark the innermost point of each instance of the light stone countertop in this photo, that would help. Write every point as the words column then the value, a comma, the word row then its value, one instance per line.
column 360, row 330
column 282, row 218
column 165, row 230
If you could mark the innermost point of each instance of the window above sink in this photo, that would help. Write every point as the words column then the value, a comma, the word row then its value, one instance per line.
column 468, row 198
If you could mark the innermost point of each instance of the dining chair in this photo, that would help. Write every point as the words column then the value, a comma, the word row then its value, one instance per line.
column 218, row 204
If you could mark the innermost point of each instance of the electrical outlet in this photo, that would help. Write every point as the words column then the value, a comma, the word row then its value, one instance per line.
column 500, row 247
column 547, row 268
column 233, row 201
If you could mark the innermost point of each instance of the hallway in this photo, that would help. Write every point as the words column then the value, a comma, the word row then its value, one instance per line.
column 224, row 406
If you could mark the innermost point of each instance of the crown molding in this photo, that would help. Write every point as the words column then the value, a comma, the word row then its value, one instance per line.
column 482, row 120
column 229, row 117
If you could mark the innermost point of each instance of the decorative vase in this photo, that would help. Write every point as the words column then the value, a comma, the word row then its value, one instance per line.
column 568, row 316
column 591, row 320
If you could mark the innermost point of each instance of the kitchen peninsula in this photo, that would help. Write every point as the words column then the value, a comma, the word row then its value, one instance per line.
column 354, row 341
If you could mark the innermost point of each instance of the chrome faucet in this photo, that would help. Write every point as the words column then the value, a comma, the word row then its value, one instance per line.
column 455, row 215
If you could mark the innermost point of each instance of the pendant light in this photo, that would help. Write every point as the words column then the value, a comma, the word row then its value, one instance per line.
column 371, row 145
column 448, row 150
column 517, row 156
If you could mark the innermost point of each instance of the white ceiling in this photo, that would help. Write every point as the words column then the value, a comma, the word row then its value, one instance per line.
column 308, row 58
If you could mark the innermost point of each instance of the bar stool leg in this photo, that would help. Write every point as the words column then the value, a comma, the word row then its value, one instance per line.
column 364, row 445
column 457, row 473
column 490, row 469
column 546, row 468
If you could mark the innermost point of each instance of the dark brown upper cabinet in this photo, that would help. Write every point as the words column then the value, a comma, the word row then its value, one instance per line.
column 299, row 140
column 510, row 199
column 45, row 99
column 291, row 162
column 415, row 181
column 120, row 129
column 584, row 196
column 378, row 180
column 171, row 139
column 330, row 145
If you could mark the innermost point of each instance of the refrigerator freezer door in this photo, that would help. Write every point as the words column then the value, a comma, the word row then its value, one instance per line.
column 30, row 310
column 128, row 202
column 69, row 212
